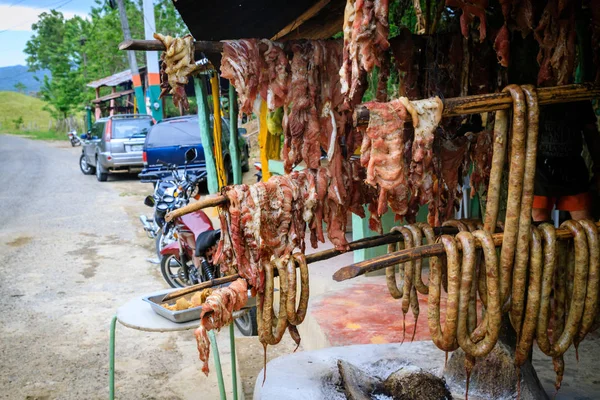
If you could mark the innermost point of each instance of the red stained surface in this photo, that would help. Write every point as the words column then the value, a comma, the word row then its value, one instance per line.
column 366, row 313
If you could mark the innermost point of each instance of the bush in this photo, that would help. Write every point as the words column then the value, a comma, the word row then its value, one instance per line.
column 18, row 123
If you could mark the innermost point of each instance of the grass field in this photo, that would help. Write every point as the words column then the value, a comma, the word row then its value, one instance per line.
column 15, row 105
column 24, row 115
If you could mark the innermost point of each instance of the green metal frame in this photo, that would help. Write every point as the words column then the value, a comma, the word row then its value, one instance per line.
column 234, row 145
column 215, row 349
column 206, row 133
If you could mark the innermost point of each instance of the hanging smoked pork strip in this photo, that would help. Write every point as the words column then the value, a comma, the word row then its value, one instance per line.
column 556, row 34
column 366, row 31
column 382, row 153
column 470, row 10
column 241, row 64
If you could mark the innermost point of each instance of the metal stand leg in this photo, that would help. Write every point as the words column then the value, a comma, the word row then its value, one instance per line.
column 233, row 362
column 215, row 349
column 111, row 359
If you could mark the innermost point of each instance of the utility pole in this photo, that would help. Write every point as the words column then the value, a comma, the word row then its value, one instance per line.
column 135, row 74
column 153, row 90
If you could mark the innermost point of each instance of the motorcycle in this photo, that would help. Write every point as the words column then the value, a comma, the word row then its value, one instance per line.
column 75, row 140
column 187, row 261
column 169, row 194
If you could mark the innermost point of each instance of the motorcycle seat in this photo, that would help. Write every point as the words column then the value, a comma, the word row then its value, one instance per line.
column 206, row 240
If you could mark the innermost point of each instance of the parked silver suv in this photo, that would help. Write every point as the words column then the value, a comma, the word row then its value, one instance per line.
column 115, row 144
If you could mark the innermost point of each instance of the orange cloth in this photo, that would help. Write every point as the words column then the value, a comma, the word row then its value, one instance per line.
column 577, row 202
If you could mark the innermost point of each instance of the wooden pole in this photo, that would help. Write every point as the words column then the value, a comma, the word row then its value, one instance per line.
column 208, row 201
column 205, row 134
column 156, row 45
column 392, row 237
column 478, row 104
column 437, row 249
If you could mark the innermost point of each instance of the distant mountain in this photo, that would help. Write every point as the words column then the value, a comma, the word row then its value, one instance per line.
column 10, row 76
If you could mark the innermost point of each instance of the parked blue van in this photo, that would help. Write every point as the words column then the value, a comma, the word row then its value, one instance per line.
column 169, row 139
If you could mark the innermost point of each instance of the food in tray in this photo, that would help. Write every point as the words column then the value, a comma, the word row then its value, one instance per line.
column 183, row 303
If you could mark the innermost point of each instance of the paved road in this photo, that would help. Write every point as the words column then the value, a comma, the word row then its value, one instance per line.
column 72, row 252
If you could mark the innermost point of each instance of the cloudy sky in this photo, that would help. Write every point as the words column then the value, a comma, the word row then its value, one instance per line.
column 16, row 17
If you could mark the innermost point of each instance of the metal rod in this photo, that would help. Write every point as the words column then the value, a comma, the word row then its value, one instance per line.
column 233, row 361
column 217, row 357
column 111, row 359
column 437, row 249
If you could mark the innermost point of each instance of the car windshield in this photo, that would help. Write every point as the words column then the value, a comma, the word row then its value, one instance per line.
column 127, row 128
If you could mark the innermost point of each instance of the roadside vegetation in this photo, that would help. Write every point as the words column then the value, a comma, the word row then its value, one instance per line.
column 75, row 51
column 25, row 115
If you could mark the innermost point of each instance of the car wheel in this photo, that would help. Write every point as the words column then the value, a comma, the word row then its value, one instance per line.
column 101, row 175
column 247, row 323
column 86, row 168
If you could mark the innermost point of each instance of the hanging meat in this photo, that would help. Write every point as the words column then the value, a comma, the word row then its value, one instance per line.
column 594, row 7
column 453, row 160
column 242, row 65
column 556, row 34
column 481, row 156
column 177, row 66
column 217, row 312
column 383, row 154
column 471, row 9
column 426, row 116
column 366, row 32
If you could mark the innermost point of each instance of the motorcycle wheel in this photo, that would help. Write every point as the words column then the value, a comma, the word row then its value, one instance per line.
column 172, row 271
column 163, row 241
column 247, row 323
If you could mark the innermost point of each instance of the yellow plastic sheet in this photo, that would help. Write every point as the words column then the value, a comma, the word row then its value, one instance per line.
column 217, row 131
column 269, row 144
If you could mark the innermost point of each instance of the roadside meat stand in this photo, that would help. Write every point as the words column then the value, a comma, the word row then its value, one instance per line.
column 387, row 107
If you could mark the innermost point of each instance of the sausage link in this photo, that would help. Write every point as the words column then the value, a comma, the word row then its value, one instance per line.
column 267, row 314
column 409, row 268
column 430, row 239
column 295, row 317
column 559, row 369
column 295, row 335
column 579, row 287
column 390, row 272
column 495, row 181
column 558, row 317
column 484, row 338
column 549, row 248
column 591, row 300
column 532, row 309
column 515, row 182
column 418, row 240
column 455, row 223
column 467, row 242
column 414, row 306
column 445, row 339
column 523, row 238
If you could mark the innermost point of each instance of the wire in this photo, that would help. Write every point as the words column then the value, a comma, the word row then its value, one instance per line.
column 51, row 7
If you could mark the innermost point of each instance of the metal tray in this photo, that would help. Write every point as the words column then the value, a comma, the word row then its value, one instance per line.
column 184, row 315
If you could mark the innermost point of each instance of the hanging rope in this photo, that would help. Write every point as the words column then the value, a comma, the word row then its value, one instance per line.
column 217, row 131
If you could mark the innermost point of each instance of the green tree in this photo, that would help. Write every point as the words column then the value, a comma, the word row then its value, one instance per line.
column 20, row 87
column 78, row 50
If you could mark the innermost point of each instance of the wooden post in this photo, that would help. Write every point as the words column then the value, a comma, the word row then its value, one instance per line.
column 234, row 145
column 205, row 133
